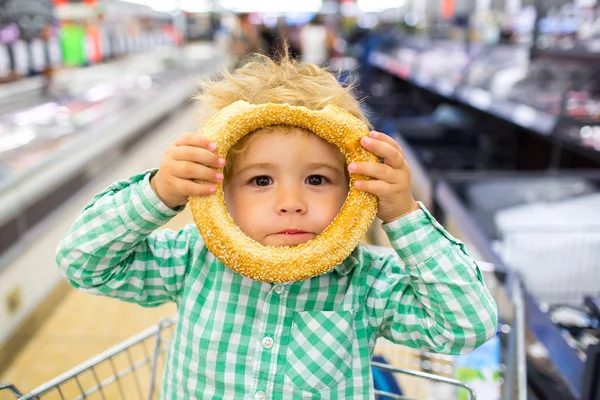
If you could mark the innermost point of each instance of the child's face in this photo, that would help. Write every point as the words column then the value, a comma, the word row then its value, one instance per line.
column 287, row 187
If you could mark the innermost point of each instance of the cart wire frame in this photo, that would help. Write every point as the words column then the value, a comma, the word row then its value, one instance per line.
column 150, row 359
column 514, row 387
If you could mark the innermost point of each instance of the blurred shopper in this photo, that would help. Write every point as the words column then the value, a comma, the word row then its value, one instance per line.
column 289, row 36
column 48, row 72
column 269, row 42
column 246, row 39
column 316, row 42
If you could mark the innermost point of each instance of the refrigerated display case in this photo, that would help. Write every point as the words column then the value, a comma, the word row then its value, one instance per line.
column 50, row 150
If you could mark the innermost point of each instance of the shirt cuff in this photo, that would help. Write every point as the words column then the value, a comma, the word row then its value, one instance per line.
column 417, row 236
column 140, row 207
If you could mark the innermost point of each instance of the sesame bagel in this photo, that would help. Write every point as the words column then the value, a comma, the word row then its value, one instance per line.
column 286, row 263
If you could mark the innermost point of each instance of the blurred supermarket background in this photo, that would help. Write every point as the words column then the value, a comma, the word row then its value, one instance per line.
column 496, row 104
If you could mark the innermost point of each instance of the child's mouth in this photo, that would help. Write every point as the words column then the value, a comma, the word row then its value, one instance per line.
column 292, row 237
column 293, row 232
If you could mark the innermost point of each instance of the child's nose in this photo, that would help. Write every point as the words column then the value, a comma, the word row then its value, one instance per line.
column 290, row 200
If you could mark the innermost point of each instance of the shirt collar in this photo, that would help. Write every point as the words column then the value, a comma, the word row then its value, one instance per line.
column 346, row 266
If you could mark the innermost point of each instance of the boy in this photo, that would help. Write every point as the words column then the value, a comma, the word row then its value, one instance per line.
column 239, row 338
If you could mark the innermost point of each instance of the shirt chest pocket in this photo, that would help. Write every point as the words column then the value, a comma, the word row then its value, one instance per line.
column 319, row 355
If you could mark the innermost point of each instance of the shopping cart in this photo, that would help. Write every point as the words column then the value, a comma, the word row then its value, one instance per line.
column 131, row 369
column 128, row 370
column 506, row 288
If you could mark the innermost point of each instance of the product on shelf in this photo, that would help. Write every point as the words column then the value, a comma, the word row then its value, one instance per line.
column 547, row 83
column 497, row 68
column 580, row 324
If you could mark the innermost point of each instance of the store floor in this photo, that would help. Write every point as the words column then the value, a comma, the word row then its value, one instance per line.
column 82, row 325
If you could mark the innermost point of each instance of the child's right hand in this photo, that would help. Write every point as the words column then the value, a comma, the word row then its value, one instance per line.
column 190, row 158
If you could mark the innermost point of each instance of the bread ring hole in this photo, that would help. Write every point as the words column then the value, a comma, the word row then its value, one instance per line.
column 294, row 172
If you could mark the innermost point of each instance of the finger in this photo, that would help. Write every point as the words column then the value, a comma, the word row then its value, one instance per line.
column 190, row 170
column 378, row 188
column 197, row 155
column 390, row 154
column 191, row 188
column 385, row 138
column 374, row 170
column 195, row 139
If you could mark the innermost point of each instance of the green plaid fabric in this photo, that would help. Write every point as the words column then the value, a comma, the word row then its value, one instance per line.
column 242, row 339
column 318, row 368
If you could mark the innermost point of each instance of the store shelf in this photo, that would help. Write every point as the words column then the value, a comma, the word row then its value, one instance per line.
column 19, row 88
column 524, row 116
column 519, row 114
column 580, row 136
column 440, row 85
column 580, row 54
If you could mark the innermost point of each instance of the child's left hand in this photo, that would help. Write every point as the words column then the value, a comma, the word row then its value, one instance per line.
column 390, row 180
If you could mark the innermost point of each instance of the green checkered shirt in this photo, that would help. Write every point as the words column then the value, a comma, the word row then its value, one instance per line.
column 237, row 338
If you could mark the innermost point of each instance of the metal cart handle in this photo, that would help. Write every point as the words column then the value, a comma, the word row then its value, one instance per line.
column 10, row 387
column 424, row 375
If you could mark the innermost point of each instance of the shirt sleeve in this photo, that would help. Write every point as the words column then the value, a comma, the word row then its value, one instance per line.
column 432, row 296
column 113, row 250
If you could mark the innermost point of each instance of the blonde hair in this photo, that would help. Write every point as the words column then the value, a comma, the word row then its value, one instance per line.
column 284, row 80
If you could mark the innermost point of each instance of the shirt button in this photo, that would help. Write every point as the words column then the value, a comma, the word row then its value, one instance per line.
column 267, row 342
column 278, row 289
column 260, row 396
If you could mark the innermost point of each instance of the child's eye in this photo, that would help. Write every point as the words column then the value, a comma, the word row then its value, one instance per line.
column 316, row 180
column 262, row 180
